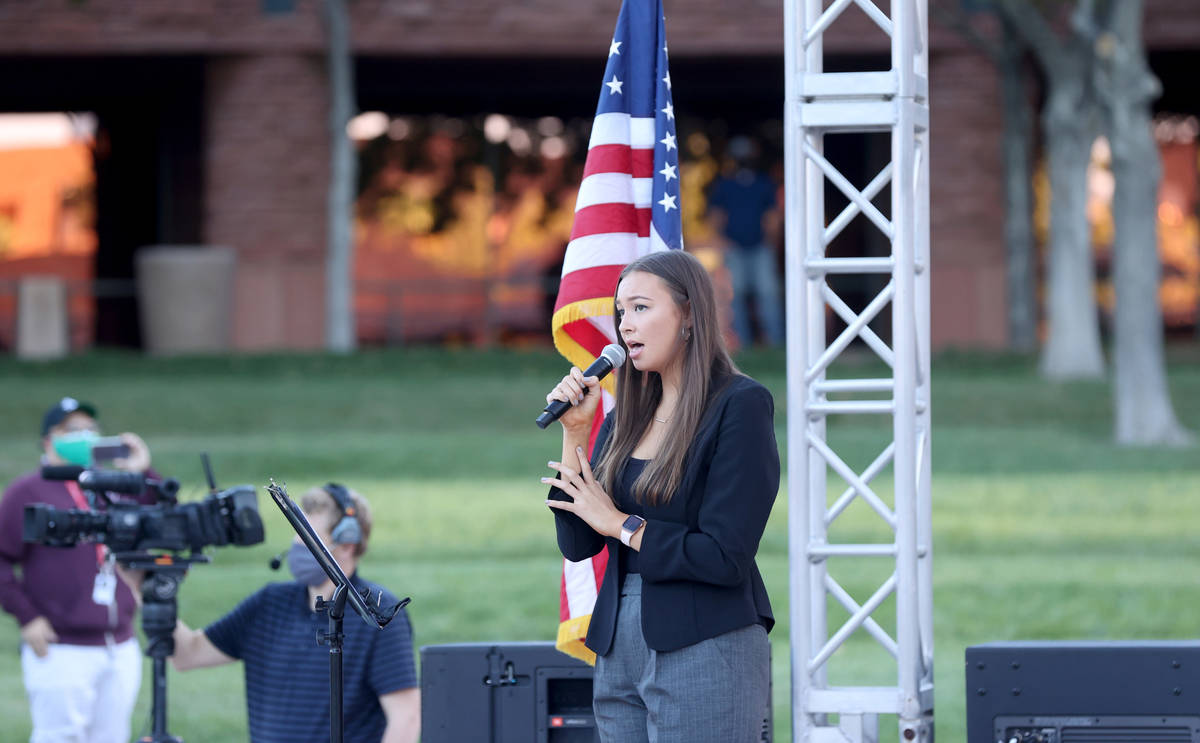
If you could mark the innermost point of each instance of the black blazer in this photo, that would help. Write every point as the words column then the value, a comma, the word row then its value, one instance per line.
column 699, row 578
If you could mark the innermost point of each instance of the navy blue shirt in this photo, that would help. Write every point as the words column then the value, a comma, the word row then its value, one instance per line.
column 273, row 633
column 744, row 197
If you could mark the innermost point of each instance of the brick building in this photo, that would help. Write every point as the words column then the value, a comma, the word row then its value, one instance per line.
column 213, row 116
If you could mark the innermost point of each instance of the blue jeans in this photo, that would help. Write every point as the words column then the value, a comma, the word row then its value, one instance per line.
column 753, row 271
column 716, row 691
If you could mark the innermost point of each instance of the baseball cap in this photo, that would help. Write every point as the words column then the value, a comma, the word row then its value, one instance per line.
column 61, row 409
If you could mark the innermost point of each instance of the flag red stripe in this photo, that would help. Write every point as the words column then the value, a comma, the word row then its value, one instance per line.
column 587, row 335
column 619, row 158
column 599, row 562
column 605, row 218
column 643, row 216
column 588, row 283
column 564, row 608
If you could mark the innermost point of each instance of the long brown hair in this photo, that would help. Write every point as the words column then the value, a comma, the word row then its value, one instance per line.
column 705, row 361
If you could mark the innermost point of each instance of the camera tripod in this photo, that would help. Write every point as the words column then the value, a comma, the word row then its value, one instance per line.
column 160, row 588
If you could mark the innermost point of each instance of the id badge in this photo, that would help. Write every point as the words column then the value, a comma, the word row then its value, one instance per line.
column 104, row 591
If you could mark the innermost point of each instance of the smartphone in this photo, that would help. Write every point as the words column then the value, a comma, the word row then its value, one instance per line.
column 108, row 448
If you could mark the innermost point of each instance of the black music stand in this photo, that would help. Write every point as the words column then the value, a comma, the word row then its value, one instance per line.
column 343, row 592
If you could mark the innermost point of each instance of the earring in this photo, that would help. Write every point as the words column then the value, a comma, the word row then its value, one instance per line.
column 685, row 333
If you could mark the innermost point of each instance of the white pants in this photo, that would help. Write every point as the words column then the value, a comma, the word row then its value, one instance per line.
column 82, row 694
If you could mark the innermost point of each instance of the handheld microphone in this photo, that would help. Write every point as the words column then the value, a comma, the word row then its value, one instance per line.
column 610, row 358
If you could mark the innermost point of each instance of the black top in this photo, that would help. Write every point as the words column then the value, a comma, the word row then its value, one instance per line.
column 699, row 578
column 628, row 504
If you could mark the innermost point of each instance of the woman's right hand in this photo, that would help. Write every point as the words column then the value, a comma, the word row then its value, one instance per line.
column 572, row 389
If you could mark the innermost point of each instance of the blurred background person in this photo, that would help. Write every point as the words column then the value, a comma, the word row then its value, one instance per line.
column 745, row 212
column 80, row 661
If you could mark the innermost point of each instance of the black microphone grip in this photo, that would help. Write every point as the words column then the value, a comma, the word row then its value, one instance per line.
column 553, row 412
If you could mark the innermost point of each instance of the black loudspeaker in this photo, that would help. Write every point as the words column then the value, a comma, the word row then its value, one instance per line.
column 1083, row 692
column 522, row 692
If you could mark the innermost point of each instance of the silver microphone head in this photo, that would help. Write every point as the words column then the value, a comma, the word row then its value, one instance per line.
column 614, row 353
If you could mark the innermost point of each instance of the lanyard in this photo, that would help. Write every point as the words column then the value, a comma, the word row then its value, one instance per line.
column 77, row 496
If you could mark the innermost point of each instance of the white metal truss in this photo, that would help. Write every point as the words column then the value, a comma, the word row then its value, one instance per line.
column 891, row 101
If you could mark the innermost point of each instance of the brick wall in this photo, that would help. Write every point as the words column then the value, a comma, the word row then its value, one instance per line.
column 267, row 166
column 406, row 27
column 966, row 203
column 443, row 27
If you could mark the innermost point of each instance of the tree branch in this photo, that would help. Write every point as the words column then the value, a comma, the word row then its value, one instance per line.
column 1032, row 28
column 952, row 17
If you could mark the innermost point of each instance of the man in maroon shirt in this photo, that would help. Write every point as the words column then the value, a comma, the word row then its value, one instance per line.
column 80, row 660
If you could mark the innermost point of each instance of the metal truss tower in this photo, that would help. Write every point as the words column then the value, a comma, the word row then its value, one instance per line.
column 829, row 550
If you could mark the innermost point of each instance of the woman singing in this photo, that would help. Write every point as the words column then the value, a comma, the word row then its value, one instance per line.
column 680, row 486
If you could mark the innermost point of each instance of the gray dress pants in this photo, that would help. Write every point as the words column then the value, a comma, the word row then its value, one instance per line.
column 716, row 691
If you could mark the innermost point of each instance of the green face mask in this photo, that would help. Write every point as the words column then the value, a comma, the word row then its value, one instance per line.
column 76, row 447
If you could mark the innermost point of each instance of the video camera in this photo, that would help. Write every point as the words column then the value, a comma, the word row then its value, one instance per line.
column 227, row 517
column 132, row 529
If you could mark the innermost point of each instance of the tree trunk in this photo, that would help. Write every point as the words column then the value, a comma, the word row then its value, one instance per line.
column 1072, row 349
column 1142, row 401
column 1018, row 191
column 340, row 333
column 1007, row 52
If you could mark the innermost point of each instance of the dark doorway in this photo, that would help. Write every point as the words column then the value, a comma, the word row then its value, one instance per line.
column 148, row 159
column 737, row 89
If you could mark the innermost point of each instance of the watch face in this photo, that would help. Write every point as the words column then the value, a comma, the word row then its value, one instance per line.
column 632, row 523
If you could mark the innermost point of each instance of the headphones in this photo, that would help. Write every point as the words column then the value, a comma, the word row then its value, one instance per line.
column 347, row 530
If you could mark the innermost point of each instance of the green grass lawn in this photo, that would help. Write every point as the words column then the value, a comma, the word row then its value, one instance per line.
column 1043, row 528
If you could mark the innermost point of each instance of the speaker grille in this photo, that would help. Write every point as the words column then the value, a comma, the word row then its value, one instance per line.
column 1128, row 735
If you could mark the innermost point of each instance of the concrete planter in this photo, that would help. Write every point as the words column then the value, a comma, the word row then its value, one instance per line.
column 42, row 325
column 186, row 298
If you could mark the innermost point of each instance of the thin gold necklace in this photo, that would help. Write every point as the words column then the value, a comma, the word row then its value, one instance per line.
column 664, row 420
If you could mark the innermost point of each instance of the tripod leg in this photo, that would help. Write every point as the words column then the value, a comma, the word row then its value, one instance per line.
column 159, row 612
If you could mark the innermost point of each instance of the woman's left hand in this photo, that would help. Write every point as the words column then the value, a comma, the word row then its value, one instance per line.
column 591, row 503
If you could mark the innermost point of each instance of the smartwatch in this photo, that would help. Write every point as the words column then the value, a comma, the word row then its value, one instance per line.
column 630, row 527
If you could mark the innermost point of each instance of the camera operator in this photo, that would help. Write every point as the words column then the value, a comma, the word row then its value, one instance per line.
column 287, row 673
column 80, row 659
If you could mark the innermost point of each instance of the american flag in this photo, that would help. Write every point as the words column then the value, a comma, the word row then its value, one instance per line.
column 628, row 205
